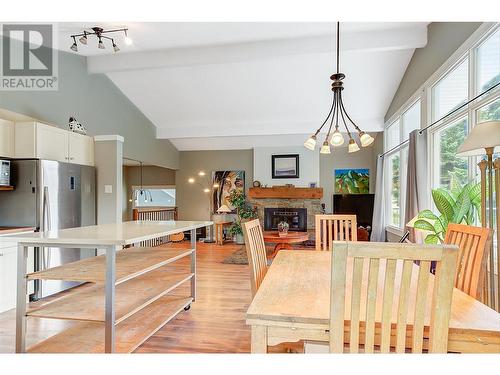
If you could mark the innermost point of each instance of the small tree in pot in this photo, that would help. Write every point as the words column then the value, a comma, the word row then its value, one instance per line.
column 244, row 212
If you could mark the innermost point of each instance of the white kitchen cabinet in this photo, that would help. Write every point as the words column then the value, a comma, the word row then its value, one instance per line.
column 6, row 139
column 81, row 149
column 41, row 141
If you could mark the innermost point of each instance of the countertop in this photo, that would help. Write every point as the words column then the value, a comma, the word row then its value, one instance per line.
column 118, row 234
column 11, row 230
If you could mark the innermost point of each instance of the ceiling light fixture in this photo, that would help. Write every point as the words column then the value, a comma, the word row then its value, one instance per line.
column 338, row 115
column 99, row 33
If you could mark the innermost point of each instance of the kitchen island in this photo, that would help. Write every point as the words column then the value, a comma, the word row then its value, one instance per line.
column 129, row 299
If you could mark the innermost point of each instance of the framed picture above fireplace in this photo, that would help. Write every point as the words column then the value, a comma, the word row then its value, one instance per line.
column 285, row 166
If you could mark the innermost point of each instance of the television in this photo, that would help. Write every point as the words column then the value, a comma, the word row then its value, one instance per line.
column 360, row 205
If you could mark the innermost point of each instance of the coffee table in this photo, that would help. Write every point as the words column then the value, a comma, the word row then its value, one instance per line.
column 284, row 242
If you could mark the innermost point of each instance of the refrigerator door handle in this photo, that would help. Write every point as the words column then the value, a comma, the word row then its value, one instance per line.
column 46, row 226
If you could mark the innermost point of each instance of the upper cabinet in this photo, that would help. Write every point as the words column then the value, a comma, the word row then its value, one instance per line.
column 6, row 139
column 41, row 141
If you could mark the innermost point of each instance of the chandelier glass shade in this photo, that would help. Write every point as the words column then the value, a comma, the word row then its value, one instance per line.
column 338, row 116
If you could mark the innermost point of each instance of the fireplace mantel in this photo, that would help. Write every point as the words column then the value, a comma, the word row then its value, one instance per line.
column 283, row 192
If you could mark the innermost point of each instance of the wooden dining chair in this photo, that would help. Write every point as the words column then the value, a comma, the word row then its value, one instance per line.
column 256, row 253
column 473, row 243
column 335, row 228
column 358, row 272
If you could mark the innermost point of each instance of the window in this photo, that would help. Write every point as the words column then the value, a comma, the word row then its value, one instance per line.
column 396, row 162
column 488, row 112
column 154, row 196
column 451, row 91
column 447, row 141
column 488, row 63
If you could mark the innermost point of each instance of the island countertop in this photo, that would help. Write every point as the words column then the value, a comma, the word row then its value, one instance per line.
column 119, row 234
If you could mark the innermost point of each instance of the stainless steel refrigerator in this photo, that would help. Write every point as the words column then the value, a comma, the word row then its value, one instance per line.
column 50, row 195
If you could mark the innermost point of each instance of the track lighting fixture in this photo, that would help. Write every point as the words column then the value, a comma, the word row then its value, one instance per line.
column 338, row 116
column 99, row 33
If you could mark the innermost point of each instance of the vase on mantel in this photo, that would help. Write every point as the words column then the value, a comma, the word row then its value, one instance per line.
column 283, row 228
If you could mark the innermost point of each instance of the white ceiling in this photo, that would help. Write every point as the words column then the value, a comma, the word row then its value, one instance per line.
column 238, row 85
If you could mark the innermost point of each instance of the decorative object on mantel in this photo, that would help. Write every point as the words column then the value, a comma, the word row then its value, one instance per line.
column 99, row 33
column 289, row 185
column 285, row 166
column 484, row 139
column 352, row 181
column 256, row 183
column 312, row 185
column 284, row 192
column 76, row 127
column 283, row 228
column 337, row 112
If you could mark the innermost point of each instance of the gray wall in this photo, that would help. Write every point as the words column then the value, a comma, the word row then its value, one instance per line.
column 151, row 175
column 340, row 159
column 99, row 105
column 444, row 38
column 192, row 202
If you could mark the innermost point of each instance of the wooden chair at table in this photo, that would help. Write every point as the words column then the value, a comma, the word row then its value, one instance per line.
column 371, row 315
column 256, row 253
column 473, row 243
column 335, row 228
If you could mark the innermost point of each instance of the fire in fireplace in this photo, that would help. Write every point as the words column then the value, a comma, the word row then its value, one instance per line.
column 295, row 217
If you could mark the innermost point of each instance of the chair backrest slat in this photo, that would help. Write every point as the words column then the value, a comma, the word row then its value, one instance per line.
column 380, row 316
column 256, row 253
column 473, row 243
column 335, row 228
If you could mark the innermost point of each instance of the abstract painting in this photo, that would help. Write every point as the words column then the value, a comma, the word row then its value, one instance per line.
column 224, row 183
column 352, row 181
column 285, row 166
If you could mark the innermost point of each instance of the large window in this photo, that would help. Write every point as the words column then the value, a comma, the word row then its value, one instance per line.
column 451, row 91
column 396, row 161
column 154, row 196
column 447, row 141
column 488, row 63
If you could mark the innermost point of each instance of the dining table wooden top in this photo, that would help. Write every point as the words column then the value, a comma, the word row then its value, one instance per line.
column 296, row 293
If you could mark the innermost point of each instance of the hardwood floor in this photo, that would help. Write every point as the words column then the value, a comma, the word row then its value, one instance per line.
column 214, row 324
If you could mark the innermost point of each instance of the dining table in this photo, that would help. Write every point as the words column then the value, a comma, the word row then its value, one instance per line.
column 293, row 304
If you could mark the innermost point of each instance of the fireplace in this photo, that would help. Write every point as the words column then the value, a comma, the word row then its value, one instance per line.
column 295, row 217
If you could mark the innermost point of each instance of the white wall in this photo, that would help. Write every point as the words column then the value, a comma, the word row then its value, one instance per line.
column 308, row 166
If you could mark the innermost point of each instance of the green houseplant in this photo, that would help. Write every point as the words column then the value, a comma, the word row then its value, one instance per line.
column 244, row 213
column 459, row 204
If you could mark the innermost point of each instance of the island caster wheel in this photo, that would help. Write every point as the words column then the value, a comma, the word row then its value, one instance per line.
column 187, row 307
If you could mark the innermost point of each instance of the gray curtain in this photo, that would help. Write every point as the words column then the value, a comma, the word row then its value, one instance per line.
column 378, row 221
column 416, row 180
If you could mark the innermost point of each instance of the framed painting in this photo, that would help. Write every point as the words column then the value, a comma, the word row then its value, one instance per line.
column 352, row 181
column 224, row 183
column 285, row 166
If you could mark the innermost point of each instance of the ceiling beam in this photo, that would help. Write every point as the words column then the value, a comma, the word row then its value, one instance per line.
column 377, row 40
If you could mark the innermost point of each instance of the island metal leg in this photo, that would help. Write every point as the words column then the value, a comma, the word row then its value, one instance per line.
column 193, row 264
column 22, row 258
column 109, row 336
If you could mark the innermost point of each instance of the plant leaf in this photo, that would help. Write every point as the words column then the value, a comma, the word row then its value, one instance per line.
column 443, row 202
column 432, row 239
column 427, row 214
column 423, row 224
column 463, row 206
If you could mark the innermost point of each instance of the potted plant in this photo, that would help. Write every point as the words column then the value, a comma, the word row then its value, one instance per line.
column 283, row 228
column 459, row 204
column 244, row 213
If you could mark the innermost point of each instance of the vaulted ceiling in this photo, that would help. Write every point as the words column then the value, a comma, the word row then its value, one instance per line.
column 240, row 85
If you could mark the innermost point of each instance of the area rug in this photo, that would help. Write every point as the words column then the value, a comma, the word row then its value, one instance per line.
column 240, row 255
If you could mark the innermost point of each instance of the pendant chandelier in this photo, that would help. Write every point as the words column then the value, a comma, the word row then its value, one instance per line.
column 338, row 116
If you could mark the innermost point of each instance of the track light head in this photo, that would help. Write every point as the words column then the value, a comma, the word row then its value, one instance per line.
column 128, row 41
column 115, row 47
column 101, row 45
column 83, row 39
column 74, row 47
